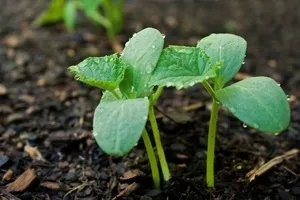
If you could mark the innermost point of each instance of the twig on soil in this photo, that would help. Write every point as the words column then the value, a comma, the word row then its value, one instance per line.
column 291, row 171
column 273, row 162
column 77, row 188
column 166, row 115
column 6, row 195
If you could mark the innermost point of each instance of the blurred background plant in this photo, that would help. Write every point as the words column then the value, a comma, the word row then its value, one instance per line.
column 107, row 13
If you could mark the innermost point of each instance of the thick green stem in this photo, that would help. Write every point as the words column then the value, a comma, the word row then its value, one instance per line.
column 210, row 179
column 209, row 89
column 152, row 160
column 160, row 150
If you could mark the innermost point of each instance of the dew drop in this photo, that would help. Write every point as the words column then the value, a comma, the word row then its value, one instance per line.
column 276, row 133
column 126, row 44
column 122, row 54
column 134, row 35
column 243, row 62
column 145, row 117
column 245, row 125
column 153, row 47
column 288, row 97
column 163, row 35
column 279, row 84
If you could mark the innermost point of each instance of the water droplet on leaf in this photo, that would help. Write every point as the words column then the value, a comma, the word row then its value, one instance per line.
column 243, row 62
column 245, row 125
column 163, row 35
column 134, row 35
column 279, row 84
column 153, row 47
column 288, row 97
column 126, row 44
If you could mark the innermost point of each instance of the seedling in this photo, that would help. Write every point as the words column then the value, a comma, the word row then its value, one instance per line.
column 127, row 103
column 111, row 18
column 259, row 102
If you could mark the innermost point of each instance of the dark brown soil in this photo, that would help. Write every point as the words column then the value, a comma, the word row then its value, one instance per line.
column 43, row 106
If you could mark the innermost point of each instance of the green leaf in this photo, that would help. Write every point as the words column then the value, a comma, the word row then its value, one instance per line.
column 118, row 125
column 53, row 14
column 70, row 15
column 227, row 49
column 259, row 102
column 90, row 6
column 141, row 52
column 103, row 72
column 182, row 67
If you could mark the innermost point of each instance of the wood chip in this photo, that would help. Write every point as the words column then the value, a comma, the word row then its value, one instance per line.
column 131, row 174
column 51, row 185
column 22, row 182
column 3, row 90
column 33, row 152
column 275, row 161
column 8, row 175
column 193, row 106
column 127, row 191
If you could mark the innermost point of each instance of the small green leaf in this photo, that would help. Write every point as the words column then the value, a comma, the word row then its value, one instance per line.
column 259, row 102
column 227, row 49
column 103, row 72
column 141, row 52
column 118, row 125
column 182, row 67
column 70, row 14
column 53, row 14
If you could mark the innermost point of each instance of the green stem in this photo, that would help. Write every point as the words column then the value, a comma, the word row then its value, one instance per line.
column 160, row 150
column 210, row 180
column 209, row 89
column 115, row 94
column 152, row 159
column 156, row 95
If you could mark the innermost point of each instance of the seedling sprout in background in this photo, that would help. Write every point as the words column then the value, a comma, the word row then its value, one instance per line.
column 66, row 10
column 127, row 103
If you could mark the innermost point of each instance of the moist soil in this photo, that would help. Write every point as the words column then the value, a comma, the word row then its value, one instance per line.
column 42, row 106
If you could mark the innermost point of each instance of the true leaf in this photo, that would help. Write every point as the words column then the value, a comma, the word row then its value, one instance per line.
column 181, row 67
column 70, row 14
column 103, row 72
column 141, row 52
column 258, row 102
column 227, row 49
column 118, row 124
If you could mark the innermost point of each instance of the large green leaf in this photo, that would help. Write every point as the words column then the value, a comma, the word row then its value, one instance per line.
column 118, row 124
column 70, row 14
column 53, row 14
column 182, row 67
column 227, row 49
column 259, row 102
column 141, row 52
column 103, row 72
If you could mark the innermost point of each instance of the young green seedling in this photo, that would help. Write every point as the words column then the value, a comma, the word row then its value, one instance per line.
column 120, row 118
column 258, row 102
column 111, row 18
